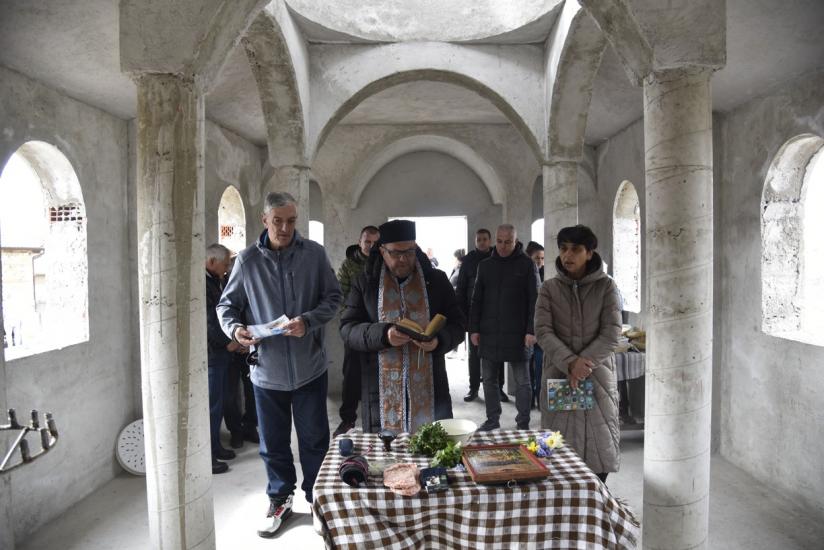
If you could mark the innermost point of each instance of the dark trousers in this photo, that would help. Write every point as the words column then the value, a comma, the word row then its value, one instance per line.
column 351, row 390
column 492, row 396
column 475, row 370
column 237, row 375
column 536, row 365
column 274, row 410
column 217, row 383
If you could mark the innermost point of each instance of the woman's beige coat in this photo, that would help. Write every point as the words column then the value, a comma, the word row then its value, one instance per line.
column 582, row 319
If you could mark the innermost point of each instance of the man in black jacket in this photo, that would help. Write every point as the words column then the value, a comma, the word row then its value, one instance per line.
column 404, row 382
column 220, row 348
column 466, row 283
column 356, row 256
column 501, row 322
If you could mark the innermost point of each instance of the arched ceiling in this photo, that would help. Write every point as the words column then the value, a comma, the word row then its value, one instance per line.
column 423, row 102
column 73, row 47
column 513, row 21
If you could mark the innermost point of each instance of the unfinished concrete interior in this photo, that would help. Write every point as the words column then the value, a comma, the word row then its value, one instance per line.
column 688, row 134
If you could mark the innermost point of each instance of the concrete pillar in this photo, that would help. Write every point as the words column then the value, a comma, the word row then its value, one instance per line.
column 294, row 180
column 679, row 231
column 560, row 198
column 170, row 227
column 6, row 526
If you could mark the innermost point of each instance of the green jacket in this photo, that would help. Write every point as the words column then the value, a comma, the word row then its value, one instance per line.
column 351, row 267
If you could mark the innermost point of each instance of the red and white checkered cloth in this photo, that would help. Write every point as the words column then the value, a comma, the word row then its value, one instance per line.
column 570, row 509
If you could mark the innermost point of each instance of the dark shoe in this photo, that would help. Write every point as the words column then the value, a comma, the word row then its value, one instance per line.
column 219, row 467
column 504, row 397
column 489, row 425
column 471, row 396
column 236, row 441
column 223, row 454
column 251, row 435
column 343, row 427
column 279, row 511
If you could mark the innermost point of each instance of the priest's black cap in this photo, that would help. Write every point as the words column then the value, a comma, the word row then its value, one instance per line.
column 397, row 231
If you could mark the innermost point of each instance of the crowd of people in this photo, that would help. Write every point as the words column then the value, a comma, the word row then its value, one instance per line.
column 565, row 328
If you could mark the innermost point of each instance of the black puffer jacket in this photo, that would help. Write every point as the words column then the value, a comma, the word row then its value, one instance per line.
column 503, row 305
column 361, row 331
column 466, row 277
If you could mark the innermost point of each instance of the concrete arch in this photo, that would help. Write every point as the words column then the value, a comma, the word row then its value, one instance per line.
column 510, row 78
column 440, row 144
column 576, row 48
column 272, row 65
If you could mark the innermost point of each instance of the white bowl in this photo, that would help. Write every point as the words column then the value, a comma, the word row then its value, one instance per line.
column 459, row 430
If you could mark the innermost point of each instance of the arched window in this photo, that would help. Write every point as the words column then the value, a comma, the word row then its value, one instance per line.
column 626, row 245
column 316, row 231
column 537, row 231
column 315, row 212
column 43, row 246
column 792, row 251
column 231, row 219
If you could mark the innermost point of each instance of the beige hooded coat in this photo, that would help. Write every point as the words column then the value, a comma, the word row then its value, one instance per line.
column 582, row 319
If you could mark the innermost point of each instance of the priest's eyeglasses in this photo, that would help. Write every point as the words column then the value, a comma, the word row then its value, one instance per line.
column 398, row 254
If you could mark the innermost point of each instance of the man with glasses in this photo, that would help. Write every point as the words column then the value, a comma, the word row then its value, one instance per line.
column 284, row 274
column 404, row 382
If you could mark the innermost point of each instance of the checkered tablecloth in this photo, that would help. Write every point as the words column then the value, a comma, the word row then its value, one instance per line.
column 629, row 365
column 570, row 509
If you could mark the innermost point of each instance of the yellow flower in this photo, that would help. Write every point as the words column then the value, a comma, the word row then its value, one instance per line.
column 555, row 440
column 532, row 447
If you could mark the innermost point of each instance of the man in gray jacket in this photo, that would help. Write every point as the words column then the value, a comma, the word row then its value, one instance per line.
column 283, row 274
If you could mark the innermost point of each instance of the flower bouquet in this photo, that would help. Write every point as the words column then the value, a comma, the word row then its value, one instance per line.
column 543, row 445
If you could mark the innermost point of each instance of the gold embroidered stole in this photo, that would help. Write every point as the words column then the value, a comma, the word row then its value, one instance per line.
column 407, row 390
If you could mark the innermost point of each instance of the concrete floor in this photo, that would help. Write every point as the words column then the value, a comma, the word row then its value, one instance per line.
column 743, row 513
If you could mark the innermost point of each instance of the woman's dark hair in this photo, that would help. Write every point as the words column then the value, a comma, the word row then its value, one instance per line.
column 578, row 234
column 532, row 247
column 459, row 254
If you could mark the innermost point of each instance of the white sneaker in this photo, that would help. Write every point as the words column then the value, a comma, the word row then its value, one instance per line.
column 278, row 513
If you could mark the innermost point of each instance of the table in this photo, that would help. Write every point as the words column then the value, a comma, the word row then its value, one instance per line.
column 629, row 365
column 570, row 509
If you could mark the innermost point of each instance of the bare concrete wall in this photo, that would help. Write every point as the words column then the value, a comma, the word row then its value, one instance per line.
column 619, row 159
column 88, row 386
column 231, row 160
column 772, row 388
column 349, row 147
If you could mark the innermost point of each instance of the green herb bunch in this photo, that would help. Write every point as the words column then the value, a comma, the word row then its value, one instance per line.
column 428, row 440
column 449, row 456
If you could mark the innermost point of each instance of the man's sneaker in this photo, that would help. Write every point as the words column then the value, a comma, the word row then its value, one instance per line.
column 279, row 511
column 489, row 425
column 343, row 427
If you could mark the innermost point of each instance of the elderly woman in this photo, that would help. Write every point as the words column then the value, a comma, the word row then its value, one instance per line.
column 577, row 323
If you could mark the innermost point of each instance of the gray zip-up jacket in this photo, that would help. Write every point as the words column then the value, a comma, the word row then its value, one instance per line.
column 265, row 284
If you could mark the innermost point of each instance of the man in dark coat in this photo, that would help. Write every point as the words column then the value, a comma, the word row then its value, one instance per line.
column 501, row 322
column 404, row 380
column 466, row 283
column 352, row 266
column 220, row 349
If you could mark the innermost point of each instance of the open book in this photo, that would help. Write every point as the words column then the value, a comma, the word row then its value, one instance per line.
column 417, row 332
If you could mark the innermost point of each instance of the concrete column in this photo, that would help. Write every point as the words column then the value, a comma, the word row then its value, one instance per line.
column 170, row 227
column 678, row 138
column 6, row 526
column 294, row 180
column 560, row 198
